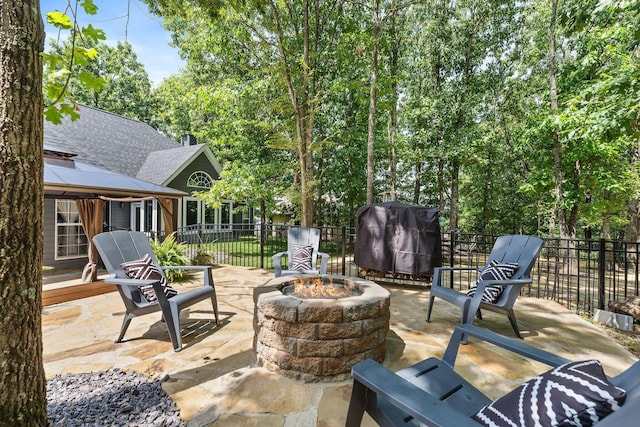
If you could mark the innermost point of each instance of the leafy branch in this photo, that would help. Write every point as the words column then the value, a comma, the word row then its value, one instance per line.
column 60, row 68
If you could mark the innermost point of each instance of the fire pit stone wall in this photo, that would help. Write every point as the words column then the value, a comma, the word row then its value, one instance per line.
column 319, row 339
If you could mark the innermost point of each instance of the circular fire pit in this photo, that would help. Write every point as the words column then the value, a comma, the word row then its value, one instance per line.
column 319, row 337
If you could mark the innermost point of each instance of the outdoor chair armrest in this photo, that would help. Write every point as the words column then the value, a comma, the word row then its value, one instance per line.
column 132, row 283
column 277, row 262
column 186, row 267
column 376, row 381
column 627, row 415
column 461, row 332
column 324, row 262
column 437, row 269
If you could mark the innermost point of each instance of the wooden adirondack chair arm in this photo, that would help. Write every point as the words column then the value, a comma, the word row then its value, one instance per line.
column 406, row 397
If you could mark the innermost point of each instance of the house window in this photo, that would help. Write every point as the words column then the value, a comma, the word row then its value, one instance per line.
column 225, row 216
column 71, row 242
column 200, row 179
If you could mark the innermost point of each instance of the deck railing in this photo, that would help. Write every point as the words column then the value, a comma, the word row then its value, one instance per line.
column 583, row 275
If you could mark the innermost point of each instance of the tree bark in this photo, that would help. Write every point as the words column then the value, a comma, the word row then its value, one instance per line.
column 22, row 379
column 417, row 183
column 460, row 123
column 302, row 111
column 372, row 101
column 557, row 147
column 567, row 216
column 393, row 121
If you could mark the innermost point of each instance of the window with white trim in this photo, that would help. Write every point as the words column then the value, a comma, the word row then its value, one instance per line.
column 71, row 242
column 200, row 179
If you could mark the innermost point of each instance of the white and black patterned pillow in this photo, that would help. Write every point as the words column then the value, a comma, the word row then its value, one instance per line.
column 574, row 394
column 301, row 257
column 144, row 269
column 495, row 271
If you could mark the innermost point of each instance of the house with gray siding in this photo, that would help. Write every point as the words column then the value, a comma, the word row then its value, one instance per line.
column 128, row 148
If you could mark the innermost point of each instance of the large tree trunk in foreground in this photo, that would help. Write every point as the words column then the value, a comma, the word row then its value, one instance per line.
column 22, row 380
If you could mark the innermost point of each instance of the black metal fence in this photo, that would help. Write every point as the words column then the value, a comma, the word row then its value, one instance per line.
column 583, row 275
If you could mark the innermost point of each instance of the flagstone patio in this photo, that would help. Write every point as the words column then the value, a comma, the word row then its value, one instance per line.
column 214, row 380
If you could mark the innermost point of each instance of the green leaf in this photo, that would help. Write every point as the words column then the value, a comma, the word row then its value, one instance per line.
column 52, row 114
column 91, row 53
column 90, row 81
column 59, row 20
column 89, row 7
column 94, row 34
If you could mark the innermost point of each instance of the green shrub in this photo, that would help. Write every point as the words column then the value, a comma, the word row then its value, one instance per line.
column 169, row 253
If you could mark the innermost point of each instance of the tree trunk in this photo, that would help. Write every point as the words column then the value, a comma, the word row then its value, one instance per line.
column 567, row 216
column 393, row 122
column 455, row 193
column 372, row 102
column 417, row 181
column 302, row 111
column 306, row 118
column 557, row 147
column 442, row 200
column 319, row 205
column 460, row 122
column 22, row 379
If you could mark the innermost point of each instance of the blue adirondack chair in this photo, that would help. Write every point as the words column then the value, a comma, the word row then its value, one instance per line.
column 431, row 393
column 520, row 249
column 299, row 238
column 118, row 247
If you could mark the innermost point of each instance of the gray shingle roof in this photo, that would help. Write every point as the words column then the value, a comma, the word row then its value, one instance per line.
column 160, row 165
column 116, row 143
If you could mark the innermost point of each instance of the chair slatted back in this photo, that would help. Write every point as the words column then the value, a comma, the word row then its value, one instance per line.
column 517, row 248
column 303, row 236
column 121, row 246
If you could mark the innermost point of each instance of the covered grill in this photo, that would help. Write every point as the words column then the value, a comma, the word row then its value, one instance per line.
column 397, row 238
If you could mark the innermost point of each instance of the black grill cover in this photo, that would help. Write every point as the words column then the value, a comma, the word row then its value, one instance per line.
column 397, row 238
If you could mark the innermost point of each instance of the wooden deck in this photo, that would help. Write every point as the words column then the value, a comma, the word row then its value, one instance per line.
column 74, row 292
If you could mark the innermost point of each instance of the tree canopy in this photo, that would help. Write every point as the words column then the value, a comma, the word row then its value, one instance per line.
column 510, row 117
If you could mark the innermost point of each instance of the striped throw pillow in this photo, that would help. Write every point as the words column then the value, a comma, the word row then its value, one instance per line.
column 144, row 269
column 573, row 394
column 495, row 271
column 301, row 257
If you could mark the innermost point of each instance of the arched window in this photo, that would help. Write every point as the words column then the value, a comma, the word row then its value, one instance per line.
column 200, row 179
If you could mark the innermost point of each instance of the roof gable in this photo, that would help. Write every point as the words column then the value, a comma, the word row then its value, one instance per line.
column 162, row 167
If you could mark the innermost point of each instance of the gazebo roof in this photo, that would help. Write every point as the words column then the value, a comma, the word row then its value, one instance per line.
column 67, row 178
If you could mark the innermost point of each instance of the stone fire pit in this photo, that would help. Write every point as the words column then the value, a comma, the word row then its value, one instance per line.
column 319, row 339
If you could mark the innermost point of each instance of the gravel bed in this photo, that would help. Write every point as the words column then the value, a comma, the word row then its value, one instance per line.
column 109, row 398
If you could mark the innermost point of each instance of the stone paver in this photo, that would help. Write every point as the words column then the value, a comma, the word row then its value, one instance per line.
column 214, row 379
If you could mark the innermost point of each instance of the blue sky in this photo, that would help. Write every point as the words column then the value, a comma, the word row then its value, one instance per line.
column 143, row 30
